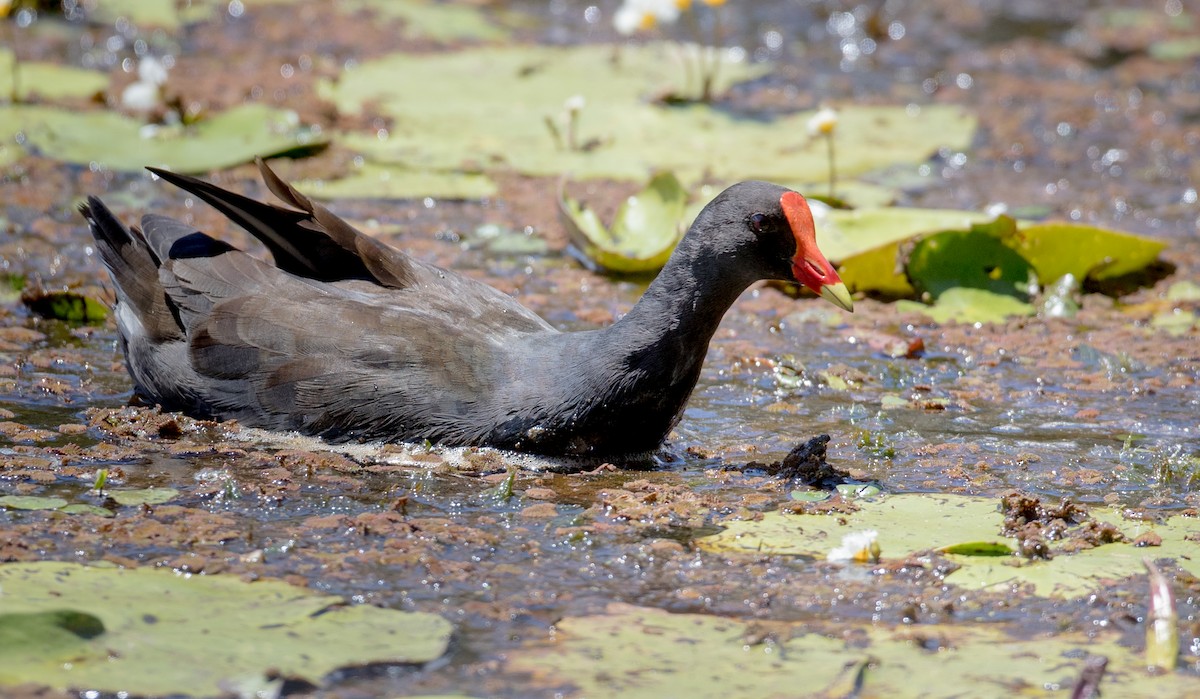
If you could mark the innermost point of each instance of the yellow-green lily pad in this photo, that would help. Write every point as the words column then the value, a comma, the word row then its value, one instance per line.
column 964, row 305
column 634, row 653
column 1088, row 252
column 31, row 502
column 440, row 21
column 388, row 181
column 643, row 234
column 195, row 635
column 48, row 81
column 143, row 496
column 489, row 106
column 911, row 523
column 843, row 234
column 116, row 142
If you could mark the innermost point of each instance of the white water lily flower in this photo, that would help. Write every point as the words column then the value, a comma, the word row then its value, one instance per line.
column 634, row 15
column 823, row 122
column 860, row 547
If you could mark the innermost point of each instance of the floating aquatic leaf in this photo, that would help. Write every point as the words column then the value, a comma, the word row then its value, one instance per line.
column 646, row 228
column 963, row 305
column 85, row 509
column 385, row 181
column 1183, row 291
column 1058, row 248
column 1176, row 49
column 440, row 21
column 113, row 141
column 49, row 81
column 166, row 634
column 488, row 108
column 910, row 523
column 66, row 305
column 979, row 548
column 975, row 259
column 843, row 234
column 31, row 502
column 637, row 653
column 51, row 633
column 143, row 496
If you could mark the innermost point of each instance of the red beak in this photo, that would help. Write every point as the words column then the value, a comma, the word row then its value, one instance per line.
column 809, row 265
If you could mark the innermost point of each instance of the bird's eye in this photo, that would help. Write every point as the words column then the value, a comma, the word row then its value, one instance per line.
column 758, row 222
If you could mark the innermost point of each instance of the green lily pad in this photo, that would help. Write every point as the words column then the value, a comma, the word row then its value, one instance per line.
column 488, row 110
column 646, row 228
column 49, row 81
column 637, row 653
column 166, row 634
column 80, row 508
column 963, row 305
column 440, row 21
column 164, row 14
column 143, row 496
column 844, row 234
column 1058, row 248
column 384, row 181
column 1183, row 291
column 975, row 259
column 117, row 142
column 52, row 633
column 958, row 525
column 68, row 306
column 31, row 502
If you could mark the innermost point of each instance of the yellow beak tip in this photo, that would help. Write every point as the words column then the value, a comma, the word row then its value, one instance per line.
column 838, row 295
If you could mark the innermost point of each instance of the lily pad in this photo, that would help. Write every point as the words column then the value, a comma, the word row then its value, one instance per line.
column 843, row 234
column 910, row 523
column 31, row 502
column 386, row 181
column 116, row 142
column 643, row 234
column 975, row 259
column 1058, row 248
column 634, row 652
column 143, row 496
column 58, row 632
column 66, row 305
column 963, row 305
column 49, row 81
column 488, row 110
column 166, row 634
column 440, row 21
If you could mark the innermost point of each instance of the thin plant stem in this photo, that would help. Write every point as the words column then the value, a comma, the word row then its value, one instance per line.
column 714, row 52
column 832, row 164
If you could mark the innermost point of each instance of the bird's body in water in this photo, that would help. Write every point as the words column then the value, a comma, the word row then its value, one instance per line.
column 347, row 338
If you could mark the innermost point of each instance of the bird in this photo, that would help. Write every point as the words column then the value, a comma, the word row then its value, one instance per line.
column 346, row 338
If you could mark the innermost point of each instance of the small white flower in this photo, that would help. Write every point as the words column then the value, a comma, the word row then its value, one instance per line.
column 574, row 103
column 151, row 70
column 823, row 122
column 634, row 15
column 141, row 97
column 860, row 547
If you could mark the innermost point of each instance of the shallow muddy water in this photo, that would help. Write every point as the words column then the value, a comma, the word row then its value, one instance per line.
column 1080, row 119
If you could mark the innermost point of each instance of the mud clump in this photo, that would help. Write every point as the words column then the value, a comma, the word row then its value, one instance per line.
column 805, row 463
column 1033, row 524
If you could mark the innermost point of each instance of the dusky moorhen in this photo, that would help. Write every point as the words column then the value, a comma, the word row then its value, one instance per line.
column 347, row 338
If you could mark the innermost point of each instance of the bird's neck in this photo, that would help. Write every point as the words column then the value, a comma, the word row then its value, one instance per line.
column 665, row 336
